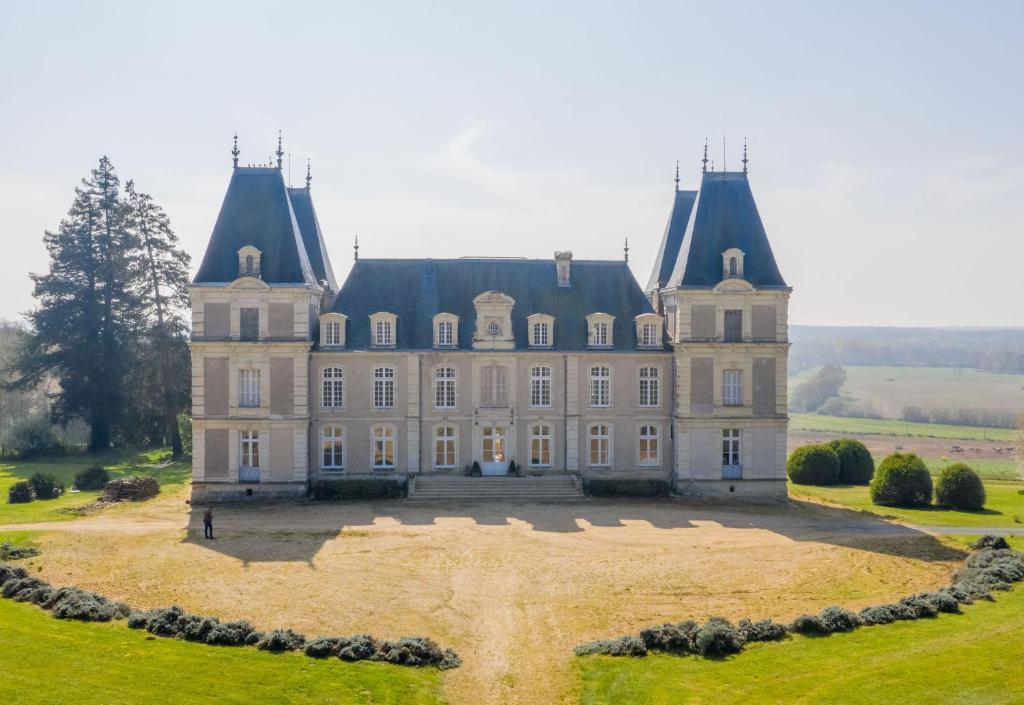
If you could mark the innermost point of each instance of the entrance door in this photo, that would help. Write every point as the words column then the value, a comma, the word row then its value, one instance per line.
column 494, row 462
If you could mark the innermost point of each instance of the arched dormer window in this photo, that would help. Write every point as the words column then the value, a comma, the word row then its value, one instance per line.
column 599, row 330
column 382, row 329
column 332, row 330
column 446, row 330
column 732, row 263
column 248, row 262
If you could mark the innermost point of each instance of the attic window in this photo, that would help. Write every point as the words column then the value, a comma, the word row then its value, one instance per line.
column 732, row 263
column 249, row 262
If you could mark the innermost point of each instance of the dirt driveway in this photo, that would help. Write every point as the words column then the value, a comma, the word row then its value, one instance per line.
column 512, row 587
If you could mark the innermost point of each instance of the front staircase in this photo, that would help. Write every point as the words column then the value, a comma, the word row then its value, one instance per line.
column 447, row 488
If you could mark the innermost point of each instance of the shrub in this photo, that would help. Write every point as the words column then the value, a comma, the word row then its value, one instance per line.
column 513, row 469
column 92, row 478
column 162, row 621
column 195, row 627
column 475, row 470
column 672, row 638
column 959, row 487
column 989, row 541
column 991, row 569
column 612, row 487
column 814, row 464
column 902, row 480
column 809, row 625
column 856, row 466
column 10, row 552
column 30, row 436
column 764, row 630
column 18, row 585
column 11, row 572
column 420, row 651
column 46, row 486
column 84, row 605
column 281, row 640
column 623, row 646
column 877, row 614
column 323, row 646
column 20, row 492
column 357, row 648
column 717, row 638
column 370, row 488
column 838, row 619
column 920, row 607
column 238, row 633
column 942, row 600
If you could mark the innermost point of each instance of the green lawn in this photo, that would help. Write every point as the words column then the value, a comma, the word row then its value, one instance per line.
column 47, row 660
column 118, row 463
column 1004, row 506
column 972, row 658
column 890, row 427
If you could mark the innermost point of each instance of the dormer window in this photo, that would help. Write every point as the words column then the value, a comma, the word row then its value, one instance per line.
column 600, row 333
column 540, row 327
column 563, row 267
column 732, row 263
column 649, row 330
column 382, row 329
column 446, row 330
column 332, row 330
column 249, row 262
column 493, row 329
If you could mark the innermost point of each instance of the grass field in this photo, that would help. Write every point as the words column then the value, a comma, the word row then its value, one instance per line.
column 47, row 660
column 1004, row 505
column 64, row 468
column 891, row 427
column 889, row 389
column 969, row 658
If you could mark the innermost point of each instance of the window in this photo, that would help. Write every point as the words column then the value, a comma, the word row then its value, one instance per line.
column 648, row 445
column 445, row 440
column 445, row 334
column 732, row 388
column 600, row 446
column 540, row 446
column 384, row 388
column 333, row 388
column 649, row 391
column 541, row 337
column 332, row 448
column 493, row 386
column 494, row 328
column 248, row 264
column 249, row 388
column 731, row 448
column 540, row 386
column 599, row 335
column 383, row 333
column 732, row 267
column 249, row 324
column 600, row 386
column 249, row 465
column 332, row 333
column 733, row 326
column 649, row 334
column 383, row 447
column 444, row 388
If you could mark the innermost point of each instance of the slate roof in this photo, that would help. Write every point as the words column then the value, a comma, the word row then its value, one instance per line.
column 309, row 227
column 725, row 216
column 256, row 211
column 668, row 253
column 416, row 289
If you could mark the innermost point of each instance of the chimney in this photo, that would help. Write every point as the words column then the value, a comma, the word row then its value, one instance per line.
column 563, row 264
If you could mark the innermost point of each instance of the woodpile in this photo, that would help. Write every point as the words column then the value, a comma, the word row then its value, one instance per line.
column 130, row 489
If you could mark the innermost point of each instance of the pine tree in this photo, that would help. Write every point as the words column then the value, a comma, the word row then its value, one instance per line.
column 161, row 386
column 85, row 322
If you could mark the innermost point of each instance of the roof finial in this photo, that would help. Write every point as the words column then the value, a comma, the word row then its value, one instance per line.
column 235, row 152
column 745, row 160
column 625, row 248
column 677, row 175
column 356, row 248
column 724, row 167
column 309, row 175
column 279, row 152
column 704, row 161
column 712, row 165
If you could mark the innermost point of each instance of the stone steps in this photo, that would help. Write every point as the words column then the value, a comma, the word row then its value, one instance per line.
column 454, row 488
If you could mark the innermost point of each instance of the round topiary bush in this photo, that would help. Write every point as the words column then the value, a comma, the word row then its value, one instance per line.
column 92, row 478
column 902, row 480
column 856, row 466
column 815, row 464
column 959, row 487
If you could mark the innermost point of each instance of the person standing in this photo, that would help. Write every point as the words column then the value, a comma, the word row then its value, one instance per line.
column 208, row 523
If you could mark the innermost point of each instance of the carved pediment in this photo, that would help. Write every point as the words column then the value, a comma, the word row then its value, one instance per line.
column 494, row 297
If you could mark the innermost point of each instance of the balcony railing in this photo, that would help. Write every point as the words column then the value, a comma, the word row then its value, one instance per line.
column 248, row 474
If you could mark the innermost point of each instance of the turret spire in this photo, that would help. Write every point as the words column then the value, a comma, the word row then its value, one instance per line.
column 279, row 152
column 704, row 161
column 677, row 176
column 235, row 152
column 745, row 160
column 309, row 175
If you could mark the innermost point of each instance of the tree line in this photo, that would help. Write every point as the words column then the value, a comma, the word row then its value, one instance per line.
column 107, row 339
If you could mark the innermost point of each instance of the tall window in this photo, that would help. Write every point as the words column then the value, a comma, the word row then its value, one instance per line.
column 731, row 448
column 493, row 386
column 648, row 445
column 600, row 446
column 332, row 336
column 600, row 386
column 648, row 334
column 384, row 388
column 541, row 335
column 732, row 266
column 540, row 446
column 540, row 386
column 382, row 334
column 445, row 333
column 444, row 388
column 599, row 335
column 332, row 388
column 649, row 392
column 332, row 444
column 249, row 387
column 732, row 388
column 249, row 324
column 383, row 447
column 445, row 440
column 733, row 326
column 250, row 449
column 248, row 264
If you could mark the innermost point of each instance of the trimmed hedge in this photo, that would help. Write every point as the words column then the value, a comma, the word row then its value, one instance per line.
column 902, row 480
column 92, row 478
column 624, row 487
column 358, row 488
column 20, row 493
column 959, row 487
column 856, row 466
column 815, row 464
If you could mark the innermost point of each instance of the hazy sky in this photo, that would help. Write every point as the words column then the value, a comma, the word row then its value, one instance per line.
column 886, row 145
